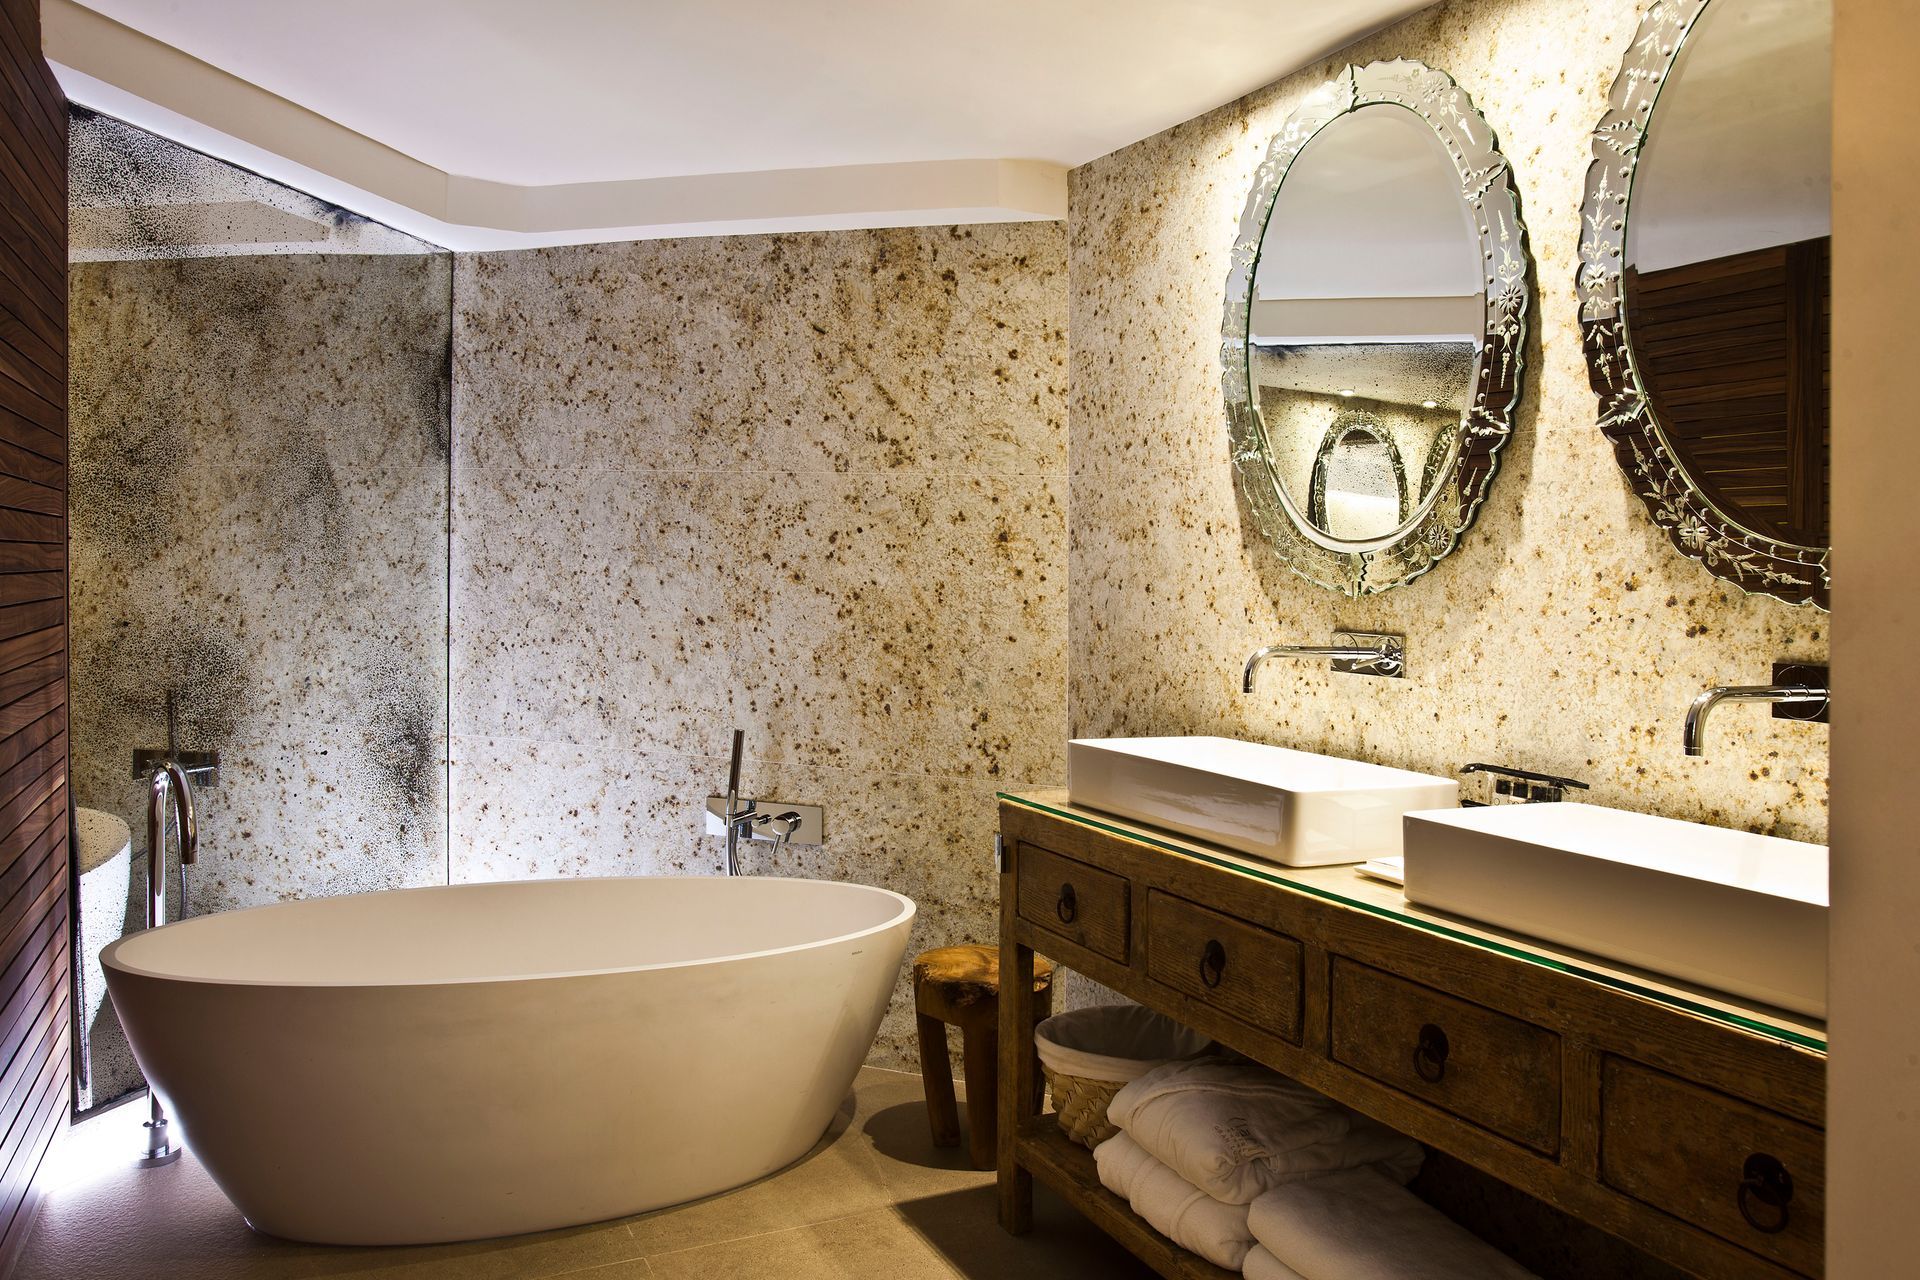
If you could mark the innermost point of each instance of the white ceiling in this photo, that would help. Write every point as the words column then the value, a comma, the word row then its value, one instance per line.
column 546, row 120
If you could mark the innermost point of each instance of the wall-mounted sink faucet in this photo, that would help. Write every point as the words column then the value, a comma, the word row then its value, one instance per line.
column 1798, row 692
column 1361, row 653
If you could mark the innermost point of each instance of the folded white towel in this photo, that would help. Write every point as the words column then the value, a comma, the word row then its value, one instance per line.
column 1262, row 1265
column 1235, row 1129
column 1360, row 1225
column 1173, row 1206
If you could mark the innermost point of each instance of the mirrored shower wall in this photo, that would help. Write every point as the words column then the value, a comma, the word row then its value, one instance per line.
column 260, row 450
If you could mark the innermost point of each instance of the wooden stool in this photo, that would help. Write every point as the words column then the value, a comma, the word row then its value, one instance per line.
column 960, row 986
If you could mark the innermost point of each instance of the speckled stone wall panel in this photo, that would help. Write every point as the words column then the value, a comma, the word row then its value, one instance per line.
column 811, row 485
column 259, row 530
column 1564, row 635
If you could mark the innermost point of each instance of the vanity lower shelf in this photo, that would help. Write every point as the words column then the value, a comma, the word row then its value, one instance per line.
column 1067, row 1167
column 1679, row 1120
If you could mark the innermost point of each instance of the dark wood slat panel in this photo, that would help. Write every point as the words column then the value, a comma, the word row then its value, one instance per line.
column 36, row 342
column 32, row 557
column 26, row 421
column 21, row 206
column 26, row 294
column 32, row 910
column 33, row 650
column 28, row 678
column 16, row 69
column 19, row 976
column 35, row 645
column 32, row 138
column 23, row 619
column 20, row 1192
column 28, row 467
column 35, row 948
column 33, row 791
column 23, row 711
column 24, row 495
column 31, row 1104
column 36, row 990
column 31, row 647
column 34, row 194
column 1734, row 354
column 41, row 123
column 20, row 1215
column 20, row 360
column 44, row 856
column 19, row 746
column 22, row 38
column 28, row 526
column 25, row 588
column 27, row 785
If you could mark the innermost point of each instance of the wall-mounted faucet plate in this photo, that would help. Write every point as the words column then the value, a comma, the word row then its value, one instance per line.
column 203, row 767
column 1396, row 646
column 1801, row 673
column 812, row 828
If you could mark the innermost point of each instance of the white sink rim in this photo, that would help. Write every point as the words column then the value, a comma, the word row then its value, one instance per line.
column 1762, row 937
column 1282, row 805
column 1592, row 825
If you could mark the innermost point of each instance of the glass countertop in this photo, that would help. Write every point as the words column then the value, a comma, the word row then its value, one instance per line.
column 1345, row 885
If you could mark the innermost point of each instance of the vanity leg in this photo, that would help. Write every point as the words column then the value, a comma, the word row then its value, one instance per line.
column 1017, row 1074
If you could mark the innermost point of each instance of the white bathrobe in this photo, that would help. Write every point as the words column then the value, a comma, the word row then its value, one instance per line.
column 1235, row 1129
column 1360, row 1225
column 1173, row 1206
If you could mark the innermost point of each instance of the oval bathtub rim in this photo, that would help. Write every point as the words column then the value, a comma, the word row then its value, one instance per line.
column 110, row 958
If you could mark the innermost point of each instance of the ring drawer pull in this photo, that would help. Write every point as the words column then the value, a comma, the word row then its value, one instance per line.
column 1430, row 1054
column 1068, row 907
column 1213, row 963
column 1766, row 1180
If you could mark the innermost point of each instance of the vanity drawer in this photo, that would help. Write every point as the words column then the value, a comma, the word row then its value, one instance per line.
column 1247, row 972
column 1492, row 1070
column 1748, row 1175
column 1072, row 900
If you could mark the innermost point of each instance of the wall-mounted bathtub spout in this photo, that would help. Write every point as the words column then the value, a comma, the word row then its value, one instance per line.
column 782, row 824
column 167, row 788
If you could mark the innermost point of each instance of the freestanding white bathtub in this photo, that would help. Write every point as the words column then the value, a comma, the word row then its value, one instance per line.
column 452, row 1063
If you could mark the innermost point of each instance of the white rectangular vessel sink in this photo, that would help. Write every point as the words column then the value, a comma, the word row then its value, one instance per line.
column 1290, row 807
column 1742, row 913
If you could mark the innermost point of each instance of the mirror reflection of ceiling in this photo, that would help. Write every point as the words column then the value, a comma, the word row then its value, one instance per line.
column 1369, row 241
column 133, row 194
column 1740, row 153
column 1433, row 375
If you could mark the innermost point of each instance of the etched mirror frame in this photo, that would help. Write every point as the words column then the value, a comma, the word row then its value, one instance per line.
column 1486, row 186
column 1692, row 521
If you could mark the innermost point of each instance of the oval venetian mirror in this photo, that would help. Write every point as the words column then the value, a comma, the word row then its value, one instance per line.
column 1704, row 283
column 1374, row 318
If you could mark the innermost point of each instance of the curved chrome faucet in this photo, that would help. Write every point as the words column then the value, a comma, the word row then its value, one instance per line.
column 1383, row 656
column 1810, row 692
column 167, row 788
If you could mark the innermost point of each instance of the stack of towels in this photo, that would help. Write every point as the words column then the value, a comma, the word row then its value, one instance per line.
column 1258, row 1173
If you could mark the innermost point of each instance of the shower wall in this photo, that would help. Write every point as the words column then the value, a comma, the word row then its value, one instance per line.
column 259, row 540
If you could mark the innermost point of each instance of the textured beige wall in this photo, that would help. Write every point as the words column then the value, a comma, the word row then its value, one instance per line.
column 811, row 485
column 1564, row 635
column 1873, row 1172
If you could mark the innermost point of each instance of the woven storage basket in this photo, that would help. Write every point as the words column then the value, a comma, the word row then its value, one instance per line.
column 1088, row 1055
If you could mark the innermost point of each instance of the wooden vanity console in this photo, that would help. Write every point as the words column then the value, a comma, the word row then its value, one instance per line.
column 1679, row 1119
